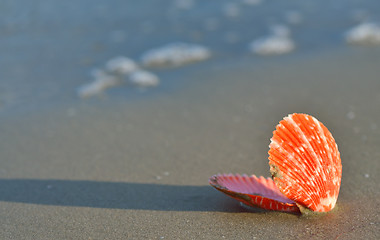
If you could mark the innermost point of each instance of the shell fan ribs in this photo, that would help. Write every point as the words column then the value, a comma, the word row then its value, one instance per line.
column 305, row 165
column 305, row 162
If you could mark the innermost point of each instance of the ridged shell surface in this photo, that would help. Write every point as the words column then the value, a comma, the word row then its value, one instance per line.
column 305, row 162
column 253, row 191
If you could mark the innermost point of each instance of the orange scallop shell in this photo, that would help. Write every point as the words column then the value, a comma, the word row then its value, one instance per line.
column 305, row 162
column 305, row 166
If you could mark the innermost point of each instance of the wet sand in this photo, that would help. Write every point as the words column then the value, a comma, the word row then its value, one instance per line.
column 119, row 168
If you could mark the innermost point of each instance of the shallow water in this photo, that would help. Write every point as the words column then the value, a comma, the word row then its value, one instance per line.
column 48, row 48
column 135, row 162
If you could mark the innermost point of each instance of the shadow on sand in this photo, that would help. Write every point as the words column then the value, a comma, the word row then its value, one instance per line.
column 116, row 195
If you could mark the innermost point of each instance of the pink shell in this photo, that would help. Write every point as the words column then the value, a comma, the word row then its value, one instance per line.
column 305, row 166
column 253, row 191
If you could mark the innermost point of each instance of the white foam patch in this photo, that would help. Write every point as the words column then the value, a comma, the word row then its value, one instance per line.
column 175, row 54
column 101, row 83
column 115, row 73
column 121, row 65
column 364, row 34
column 279, row 42
column 142, row 78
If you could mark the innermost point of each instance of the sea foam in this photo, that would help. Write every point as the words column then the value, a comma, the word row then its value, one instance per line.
column 175, row 54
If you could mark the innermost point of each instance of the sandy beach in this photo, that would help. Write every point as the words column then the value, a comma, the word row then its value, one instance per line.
column 139, row 169
column 134, row 164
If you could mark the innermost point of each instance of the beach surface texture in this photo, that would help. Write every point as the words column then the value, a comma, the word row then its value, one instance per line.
column 133, row 161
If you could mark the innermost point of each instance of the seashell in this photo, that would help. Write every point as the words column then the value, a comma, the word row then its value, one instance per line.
column 305, row 162
column 305, row 166
column 253, row 191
